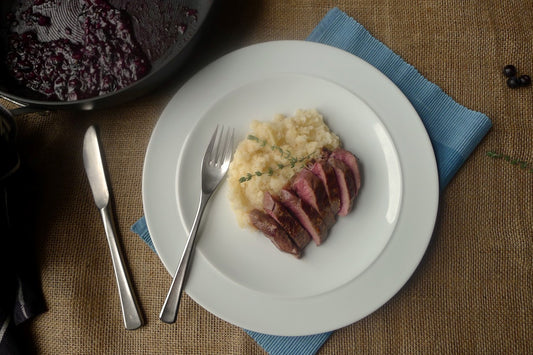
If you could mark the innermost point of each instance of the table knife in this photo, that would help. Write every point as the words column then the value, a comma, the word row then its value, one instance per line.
column 94, row 167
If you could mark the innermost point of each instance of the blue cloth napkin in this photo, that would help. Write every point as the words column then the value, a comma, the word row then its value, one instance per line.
column 454, row 130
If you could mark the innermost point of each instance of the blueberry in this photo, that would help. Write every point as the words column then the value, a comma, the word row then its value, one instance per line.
column 524, row 80
column 509, row 70
column 513, row 82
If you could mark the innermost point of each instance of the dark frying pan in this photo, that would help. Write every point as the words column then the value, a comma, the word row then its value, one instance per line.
column 165, row 29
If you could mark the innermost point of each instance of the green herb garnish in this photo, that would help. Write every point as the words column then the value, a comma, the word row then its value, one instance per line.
column 522, row 163
column 285, row 154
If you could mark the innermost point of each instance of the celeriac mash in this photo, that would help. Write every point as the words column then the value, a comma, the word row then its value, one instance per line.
column 271, row 154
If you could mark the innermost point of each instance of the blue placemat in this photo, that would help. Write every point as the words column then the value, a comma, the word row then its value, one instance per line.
column 454, row 130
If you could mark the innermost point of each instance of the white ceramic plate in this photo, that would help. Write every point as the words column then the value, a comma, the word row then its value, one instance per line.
column 237, row 274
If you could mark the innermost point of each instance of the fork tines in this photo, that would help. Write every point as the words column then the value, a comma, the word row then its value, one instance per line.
column 223, row 144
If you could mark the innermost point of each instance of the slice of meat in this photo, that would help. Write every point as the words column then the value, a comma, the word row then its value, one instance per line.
column 346, row 183
column 324, row 171
column 351, row 160
column 273, row 231
column 294, row 229
column 312, row 190
column 306, row 215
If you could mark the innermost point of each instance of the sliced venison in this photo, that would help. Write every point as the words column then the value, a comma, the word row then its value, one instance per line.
column 308, row 217
column 351, row 161
column 326, row 174
column 347, row 187
column 271, row 229
column 307, row 207
column 286, row 220
column 312, row 190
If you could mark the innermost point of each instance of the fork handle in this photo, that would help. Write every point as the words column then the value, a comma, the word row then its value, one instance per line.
column 169, row 311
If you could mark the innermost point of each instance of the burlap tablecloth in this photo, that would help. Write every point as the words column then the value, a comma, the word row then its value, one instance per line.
column 472, row 292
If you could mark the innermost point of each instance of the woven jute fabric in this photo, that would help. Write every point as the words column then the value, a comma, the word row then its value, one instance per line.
column 471, row 294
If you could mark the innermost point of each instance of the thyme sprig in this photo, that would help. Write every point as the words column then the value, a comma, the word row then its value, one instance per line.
column 285, row 154
column 521, row 163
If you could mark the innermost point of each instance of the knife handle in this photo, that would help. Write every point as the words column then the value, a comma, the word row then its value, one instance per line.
column 128, row 302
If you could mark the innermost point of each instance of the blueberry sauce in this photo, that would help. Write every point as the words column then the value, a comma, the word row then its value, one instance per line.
column 105, row 59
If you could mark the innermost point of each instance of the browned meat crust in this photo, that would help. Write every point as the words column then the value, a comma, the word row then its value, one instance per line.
column 274, row 232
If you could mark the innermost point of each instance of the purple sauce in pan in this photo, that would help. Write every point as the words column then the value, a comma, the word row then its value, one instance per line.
column 90, row 54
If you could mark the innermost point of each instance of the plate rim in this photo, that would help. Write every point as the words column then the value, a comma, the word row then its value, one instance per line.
column 237, row 55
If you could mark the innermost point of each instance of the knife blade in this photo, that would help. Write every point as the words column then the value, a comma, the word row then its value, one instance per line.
column 95, row 169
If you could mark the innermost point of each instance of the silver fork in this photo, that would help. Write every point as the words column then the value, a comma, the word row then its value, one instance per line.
column 214, row 166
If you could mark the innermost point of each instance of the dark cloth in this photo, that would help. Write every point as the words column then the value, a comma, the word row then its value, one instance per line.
column 21, row 297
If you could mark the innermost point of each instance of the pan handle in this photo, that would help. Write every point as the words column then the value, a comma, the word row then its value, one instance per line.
column 5, row 113
column 10, row 160
column 22, row 109
column 8, row 131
